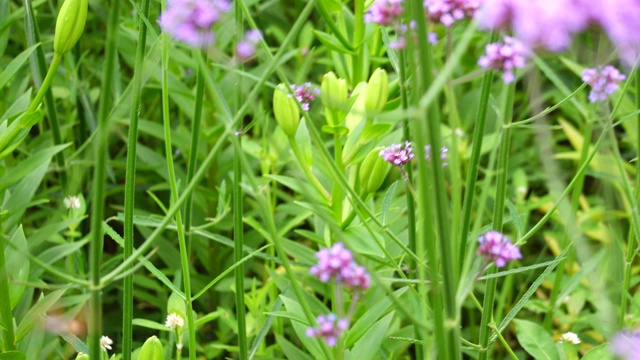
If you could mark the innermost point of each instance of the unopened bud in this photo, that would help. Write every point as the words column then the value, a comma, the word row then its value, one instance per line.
column 70, row 25
column 286, row 110
column 373, row 170
column 151, row 350
column 377, row 91
column 82, row 356
column 334, row 96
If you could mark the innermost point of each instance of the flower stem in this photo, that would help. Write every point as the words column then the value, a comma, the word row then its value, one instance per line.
column 6, row 316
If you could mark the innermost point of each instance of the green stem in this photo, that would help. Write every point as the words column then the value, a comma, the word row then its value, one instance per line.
column 307, row 169
column 184, row 256
column 6, row 316
column 53, row 68
column 498, row 216
column 130, row 185
column 336, row 193
column 99, row 180
column 358, row 45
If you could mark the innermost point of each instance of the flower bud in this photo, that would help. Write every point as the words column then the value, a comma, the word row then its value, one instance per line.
column 373, row 170
column 70, row 24
column 151, row 350
column 377, row 91
column 82, row 356
column 286, row 110
column 334, row 95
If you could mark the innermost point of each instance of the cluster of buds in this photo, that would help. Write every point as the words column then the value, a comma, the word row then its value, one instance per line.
column 337, row 263
column 504, row 57
column 603, row 81
column 329, row 328
column 495, row 247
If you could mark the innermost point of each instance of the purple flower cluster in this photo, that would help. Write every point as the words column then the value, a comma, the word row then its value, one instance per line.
column 449, row 11
column 247, row 48
column 551, row 23
column 305, row 94
column 329, row 328
column 337, row 262
column 384, row 12
column 495, row 247
column 603, row 81
column 626, row 345
column 397, row 155
column 443, row 154
column 190, row 21
column 504, row 57
column 402, row 32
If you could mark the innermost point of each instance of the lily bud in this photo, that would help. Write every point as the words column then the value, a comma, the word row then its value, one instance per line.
column 286, row 110
column 151, row 350
column 373, row 170
column 334, row 95
column 377, row 91
column 70, row 25
column 82, row 356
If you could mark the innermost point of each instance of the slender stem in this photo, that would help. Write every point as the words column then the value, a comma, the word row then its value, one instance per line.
column 6, row 316
column 184, row 256
column 130, row 185
column 336, row 193
column 307, row 169
column 99, row 177
column 358, row 36
column 498, row 215
column 53, row 68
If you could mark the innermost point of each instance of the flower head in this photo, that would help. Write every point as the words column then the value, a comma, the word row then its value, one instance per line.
column 504, row 57
column 626, row 345
column 495, row 247
column 105, row 343
column 246, row 48
column 337, row 262
column 174, row 320
column 305, row 94
column 571, row 337
column 72, row 202
column 384, row 12
column 329, row 328
column 449, row 11
column 190, row 21
column 397, row 155
column 443, row 154
column 603, row 81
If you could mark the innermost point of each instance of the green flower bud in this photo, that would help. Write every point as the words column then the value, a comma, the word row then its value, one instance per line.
column 151, row 350
column 357, row 112
column 377, row 91
column 286, row 110
column 70, row 24
column 82, row 356
column 373, row 170
column 334, row 96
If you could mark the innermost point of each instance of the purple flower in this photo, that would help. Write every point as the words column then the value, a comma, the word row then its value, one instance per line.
column 305, row 94
column 546, row 23
column 329, row 328
column 449, row 11
column 443, row 154
column 246, row 48
column 495, row 247
column 504, row 57
column 620, row 19
column 190, row 21
column 626, row 345
column 402, row 31
column 603, row 81
column 396, row 155
column 384, row 12
column 337, row 262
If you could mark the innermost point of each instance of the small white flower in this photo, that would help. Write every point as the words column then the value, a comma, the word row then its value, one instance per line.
column 72, row 202
column 105, row 343
column 179, row 347
column 174, row 320
column 571, row 338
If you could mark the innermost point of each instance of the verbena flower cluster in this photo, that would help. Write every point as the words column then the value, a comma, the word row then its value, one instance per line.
column 305, row 94
column 443, row 154
column 329, row 328
column 495, row 247
column 246, row 48
column 190, row 21
column 384, row 12
column 626, row 345
column 504, row 57
column 603, row 80
column 550, row 24
column 449, row 11
column 397, row 155
column 337, row 263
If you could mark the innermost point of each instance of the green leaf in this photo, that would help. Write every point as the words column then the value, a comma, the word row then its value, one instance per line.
column 311, row 344
column 386, row 203
column 17, row 265
column 29, row 165
column 373, row 131
column 291, row 351
column 15, row 65
column 32, row 316
column 149, row 324
column 368, row 345
column 536, row 340
column 13, row 355
column 369, row 318
column 331, row 42
column 600, row 352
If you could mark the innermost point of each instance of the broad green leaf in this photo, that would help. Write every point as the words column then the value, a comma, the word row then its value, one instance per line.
column 600, row 352
column 176, row 304
column 15, row 65
column 30, row 164
column 310, row 344
column 13, row 355
column 367, row 321
column 17, row 265
column 373, row 131
column 150, row 324
column 369, row 344
column 331, row 42
column 536, row 340
column 291, row 351
column 34, row 314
